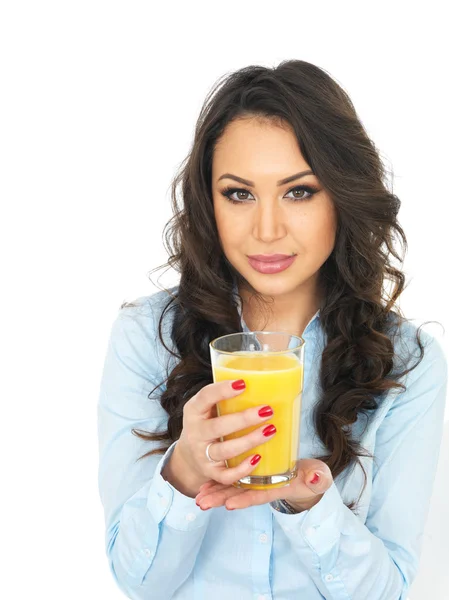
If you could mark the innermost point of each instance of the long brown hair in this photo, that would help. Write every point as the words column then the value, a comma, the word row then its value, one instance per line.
column 358, row 362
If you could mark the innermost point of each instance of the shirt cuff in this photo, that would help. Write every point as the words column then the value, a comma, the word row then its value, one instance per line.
column 166, row 502
column 319, row 527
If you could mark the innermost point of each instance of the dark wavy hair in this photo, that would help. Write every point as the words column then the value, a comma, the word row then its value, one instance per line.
column 357, row 364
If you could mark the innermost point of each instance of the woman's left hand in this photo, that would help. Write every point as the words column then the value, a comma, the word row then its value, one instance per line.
column 300, row 492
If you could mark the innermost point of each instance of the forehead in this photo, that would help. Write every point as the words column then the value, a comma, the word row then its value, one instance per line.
column 249, row 146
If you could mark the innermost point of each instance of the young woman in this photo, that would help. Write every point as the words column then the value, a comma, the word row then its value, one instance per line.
column 280, row 164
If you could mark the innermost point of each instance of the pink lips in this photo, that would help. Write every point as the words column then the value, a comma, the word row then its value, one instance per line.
column 269, row 257
column 268, row 264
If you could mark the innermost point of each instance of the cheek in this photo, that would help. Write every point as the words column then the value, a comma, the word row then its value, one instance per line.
column 231, row 229
column 317, row 232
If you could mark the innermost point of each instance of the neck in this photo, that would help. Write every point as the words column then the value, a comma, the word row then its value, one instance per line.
column 287, row 312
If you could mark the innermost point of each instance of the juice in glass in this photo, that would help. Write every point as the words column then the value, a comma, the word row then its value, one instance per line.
column 274, row 379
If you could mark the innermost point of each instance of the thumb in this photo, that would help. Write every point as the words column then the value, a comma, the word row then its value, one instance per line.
column 318, row 481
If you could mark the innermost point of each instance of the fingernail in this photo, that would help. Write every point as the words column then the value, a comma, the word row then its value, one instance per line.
column 266, row 411
column 255, row 459
column 316, row 478
column 204, row 508
column 239, row 384
column 269, row 430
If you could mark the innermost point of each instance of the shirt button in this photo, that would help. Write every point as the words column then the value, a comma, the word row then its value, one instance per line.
column 164, row 501
column 261, row 597
column 148, row 552
column 310, row 531
column 263, row 538
column 329, row 577
column 190, row 517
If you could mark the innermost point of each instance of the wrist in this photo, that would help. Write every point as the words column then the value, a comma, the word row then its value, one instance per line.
column 180, row 475
column 283, row 507
column 300, row 507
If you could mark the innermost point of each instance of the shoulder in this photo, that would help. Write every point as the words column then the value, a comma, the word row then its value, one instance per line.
column 138, row 323
column 412, row 340
column 423, row 377
column 148, row 309
column 421, row 365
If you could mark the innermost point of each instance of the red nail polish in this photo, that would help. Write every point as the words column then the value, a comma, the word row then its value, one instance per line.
column 269, row 430
column 255, row 459
column 266, row 411
column 315, row 479
column 239, row 384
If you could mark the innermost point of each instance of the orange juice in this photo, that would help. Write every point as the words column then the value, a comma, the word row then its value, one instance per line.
column 274, row 380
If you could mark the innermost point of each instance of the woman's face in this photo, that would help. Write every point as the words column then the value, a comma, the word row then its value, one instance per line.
column 270, row 218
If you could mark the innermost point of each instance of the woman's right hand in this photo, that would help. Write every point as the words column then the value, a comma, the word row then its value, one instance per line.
column 201, row 426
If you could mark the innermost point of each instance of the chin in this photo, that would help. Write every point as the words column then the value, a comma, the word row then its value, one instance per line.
column 275, row 285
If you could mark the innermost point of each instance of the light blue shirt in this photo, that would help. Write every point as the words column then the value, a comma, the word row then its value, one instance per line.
column 160, row 545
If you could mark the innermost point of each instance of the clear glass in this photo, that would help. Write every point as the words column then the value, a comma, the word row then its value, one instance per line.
column 272, row 365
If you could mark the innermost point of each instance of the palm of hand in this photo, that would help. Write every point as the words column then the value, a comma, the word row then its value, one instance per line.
column 299, row 492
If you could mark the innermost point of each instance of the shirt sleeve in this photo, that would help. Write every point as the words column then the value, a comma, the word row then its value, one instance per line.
column 152, row 531
column 378, row 559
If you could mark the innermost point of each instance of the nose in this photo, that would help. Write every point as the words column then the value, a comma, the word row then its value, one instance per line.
column 269, row 221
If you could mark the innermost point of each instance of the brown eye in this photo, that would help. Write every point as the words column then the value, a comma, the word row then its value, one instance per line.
column 229, row 192
column 301, row 189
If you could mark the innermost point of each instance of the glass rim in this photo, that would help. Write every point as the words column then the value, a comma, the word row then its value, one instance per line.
column 302, row 341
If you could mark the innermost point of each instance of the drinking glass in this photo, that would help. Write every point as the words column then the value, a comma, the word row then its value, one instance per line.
column 272, row 365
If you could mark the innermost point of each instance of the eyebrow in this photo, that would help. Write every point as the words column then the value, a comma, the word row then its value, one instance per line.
column 280, row 182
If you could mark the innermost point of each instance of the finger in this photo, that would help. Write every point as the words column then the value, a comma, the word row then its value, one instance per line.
column 317, row 482
column 237, row 446
column 300, row 488
column 211, row 489
column 245, row 419
column 209, row 493
column 316, row 471
column 207, row 485
column 228, row 475
column 210, row 395
column 219, row 497
column 252, row 498
column 256, row 497
column 307, row 466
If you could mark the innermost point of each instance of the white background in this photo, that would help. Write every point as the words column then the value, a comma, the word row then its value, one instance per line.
column 98, row 106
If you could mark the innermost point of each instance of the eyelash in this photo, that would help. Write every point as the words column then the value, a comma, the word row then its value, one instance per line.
column 228, row 191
